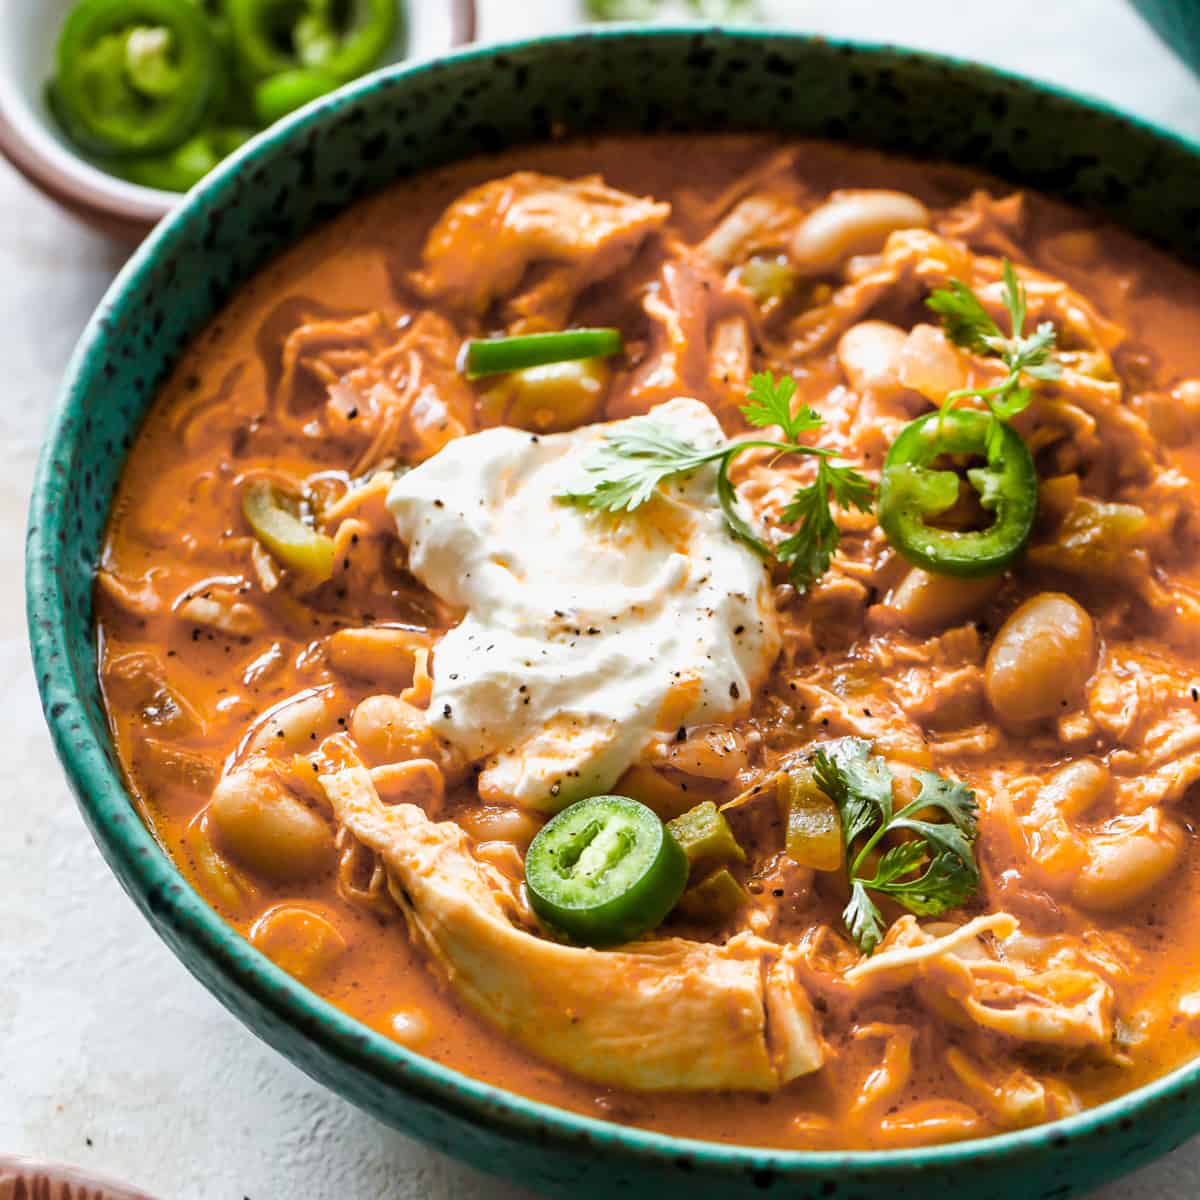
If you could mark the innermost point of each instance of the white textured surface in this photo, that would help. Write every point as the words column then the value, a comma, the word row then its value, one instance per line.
column 110, row 1054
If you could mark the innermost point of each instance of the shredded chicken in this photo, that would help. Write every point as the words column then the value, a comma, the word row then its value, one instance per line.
column 681, row 308
column 668, row 1015
column 912, row 260
column 1051, row 1005
column 489, row 237
column 760, row 222
column 1063, row 692
column 408, row 401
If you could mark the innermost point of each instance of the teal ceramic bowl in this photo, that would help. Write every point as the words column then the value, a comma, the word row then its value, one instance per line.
column 405, row 120
column 1177, row 22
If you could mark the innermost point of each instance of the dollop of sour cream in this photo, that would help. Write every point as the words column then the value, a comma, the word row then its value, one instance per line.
column 585, row 636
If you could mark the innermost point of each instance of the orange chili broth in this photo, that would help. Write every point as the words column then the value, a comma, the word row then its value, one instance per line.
column 179, row 494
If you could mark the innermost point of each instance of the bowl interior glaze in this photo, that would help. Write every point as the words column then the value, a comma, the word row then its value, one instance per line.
column 403, row 121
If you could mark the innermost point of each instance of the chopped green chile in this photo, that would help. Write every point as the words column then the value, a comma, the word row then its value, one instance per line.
column 704, row 836
column 768, row 280
column 716, row 898
column 1095, row 537
column 813, row 835
column 912, row 492
column 500, row 356
column 283, row 533
column 281, row 94
column 158, row 92
column 148, row 61
column 343, row 40
column 604, row 871
column 134, row 77
column 184, row 167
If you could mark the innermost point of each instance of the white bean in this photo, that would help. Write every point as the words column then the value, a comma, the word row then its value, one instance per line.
column 928, row 603
column 491, row 823
column 295, row 725
column 1041, row 658
column 411, row 1028
column 384, row 653
column 388, row 729
column 266, row 828
column 1174, row 416
column 851, row 222
column 1128, row 859
column 303, row 942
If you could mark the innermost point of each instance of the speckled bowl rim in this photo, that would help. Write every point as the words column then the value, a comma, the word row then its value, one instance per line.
column 150, row 878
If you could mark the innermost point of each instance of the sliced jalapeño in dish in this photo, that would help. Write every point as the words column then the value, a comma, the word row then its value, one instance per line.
column 186, row 165
column 134, row 76
column 288, row 538
column 342, row 38
column 281, row 94
column 914, row 493
column 158, row 92
column 604, row 871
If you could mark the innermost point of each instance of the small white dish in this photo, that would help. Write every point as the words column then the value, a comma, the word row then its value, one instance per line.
column 27, row 1178
column 33, row 143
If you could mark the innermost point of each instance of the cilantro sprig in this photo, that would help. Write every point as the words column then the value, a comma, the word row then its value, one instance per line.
column 627, row 469
column 931, row 871
column 969, row 325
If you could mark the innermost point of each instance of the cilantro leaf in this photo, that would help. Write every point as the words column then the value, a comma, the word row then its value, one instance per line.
column 629, row 466
column 902, row 859
column 770, row 403
column 864, row 921
column 953, row 837
column 809, row 551
column 738, row 525
column 950, row 796
column 946, row 883
column 633, row 462
column 857, row 781
column 850, row 488
column 1045, row 371
column 932, row 870
column 968, row 324
column 1006, row 405
column 1013, row 293
column 1032, row 353
column 965, row 321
